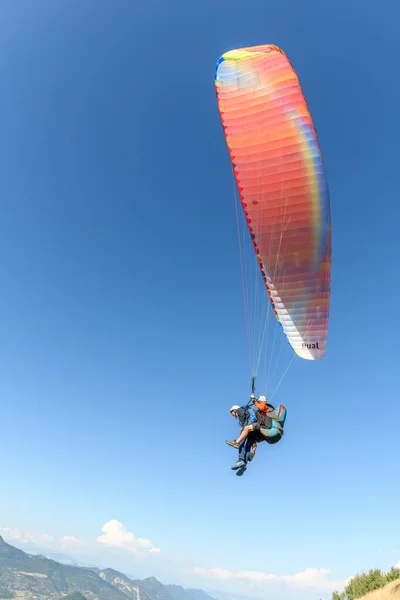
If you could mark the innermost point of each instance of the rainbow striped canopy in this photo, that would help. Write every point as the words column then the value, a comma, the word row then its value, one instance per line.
column 281, row 179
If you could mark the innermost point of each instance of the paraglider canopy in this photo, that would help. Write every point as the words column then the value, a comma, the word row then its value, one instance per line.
column 280, row 176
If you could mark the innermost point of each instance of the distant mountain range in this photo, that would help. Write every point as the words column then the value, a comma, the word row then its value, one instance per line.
column 35, row 577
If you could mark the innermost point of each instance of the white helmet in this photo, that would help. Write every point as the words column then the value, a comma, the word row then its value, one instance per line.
column 234, row 407
column 262, row 399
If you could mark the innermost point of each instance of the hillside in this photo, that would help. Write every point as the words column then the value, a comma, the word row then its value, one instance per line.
column 39, row 577
column 374, row 584
column 32, row 577
column 391, row 591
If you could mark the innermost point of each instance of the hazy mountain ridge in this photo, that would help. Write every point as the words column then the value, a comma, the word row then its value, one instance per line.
column 35, row 577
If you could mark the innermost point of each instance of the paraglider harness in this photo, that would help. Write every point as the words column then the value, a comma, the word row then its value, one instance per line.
column 268, row 417
column 265, row 413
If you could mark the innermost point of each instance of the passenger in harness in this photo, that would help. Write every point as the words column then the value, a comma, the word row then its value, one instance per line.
column 267, row 426
column 246, row 415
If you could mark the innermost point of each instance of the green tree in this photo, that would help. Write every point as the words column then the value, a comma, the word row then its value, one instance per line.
column 365, row 583
column 393, row 574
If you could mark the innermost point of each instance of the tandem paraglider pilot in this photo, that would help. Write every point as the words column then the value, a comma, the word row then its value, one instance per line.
column 259, row 422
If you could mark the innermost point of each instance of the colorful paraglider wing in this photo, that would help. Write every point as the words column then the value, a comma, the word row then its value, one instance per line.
column 283, row 189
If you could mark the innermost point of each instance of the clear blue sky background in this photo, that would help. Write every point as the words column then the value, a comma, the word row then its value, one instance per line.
column 122, row 333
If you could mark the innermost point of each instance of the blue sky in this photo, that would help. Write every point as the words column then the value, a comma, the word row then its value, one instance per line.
column 122, row 339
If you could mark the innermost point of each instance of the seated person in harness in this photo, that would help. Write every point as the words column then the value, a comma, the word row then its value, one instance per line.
column 267, row 426
column 246, row 415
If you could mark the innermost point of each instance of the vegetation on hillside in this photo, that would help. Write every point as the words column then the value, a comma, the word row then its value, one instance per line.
column 6, row 594
column 362, row 584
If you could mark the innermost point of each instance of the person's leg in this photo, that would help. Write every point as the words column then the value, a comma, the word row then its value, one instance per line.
column 249, row 444
column 252, row 426
column 241, row 438
column 245, row 433
column 253, row 447
column 243, row 451
column 242, row 457
column 247, row 451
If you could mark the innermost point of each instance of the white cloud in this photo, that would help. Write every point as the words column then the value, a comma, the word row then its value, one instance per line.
column 39, row 539
column 309, row 578
column 116, row 535
column 27, row 537
column 71, row 541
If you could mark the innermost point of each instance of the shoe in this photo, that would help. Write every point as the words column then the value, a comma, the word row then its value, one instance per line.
column 239, row 465
column 240, row 472
column 232, row 443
